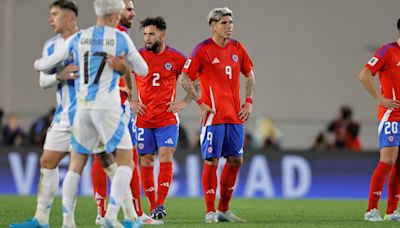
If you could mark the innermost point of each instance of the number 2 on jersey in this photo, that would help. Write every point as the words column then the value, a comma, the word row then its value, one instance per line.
column 103, row 56
column 155, row 79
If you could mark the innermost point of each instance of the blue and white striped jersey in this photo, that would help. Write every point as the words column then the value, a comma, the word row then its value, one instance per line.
column 66, row 102
column 97, row 84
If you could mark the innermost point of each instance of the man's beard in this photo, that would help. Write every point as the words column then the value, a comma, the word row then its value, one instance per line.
column 154, row 48
column 126, row 23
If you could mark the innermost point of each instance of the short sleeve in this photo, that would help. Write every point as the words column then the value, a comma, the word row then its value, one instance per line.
column 377, row 62
column 246, row 63
column 193, row 64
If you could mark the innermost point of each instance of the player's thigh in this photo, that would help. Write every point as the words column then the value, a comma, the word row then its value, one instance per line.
column 389, row 141
column 146, row 142
column 167, row 140
column 84, row 136
column 56, row 145
column 112, row 130
column 233, row 141
column 211, row 141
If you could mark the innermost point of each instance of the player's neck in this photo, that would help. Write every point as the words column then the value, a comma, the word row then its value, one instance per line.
column 69, row 31
column 161, row 49
column 220, row 41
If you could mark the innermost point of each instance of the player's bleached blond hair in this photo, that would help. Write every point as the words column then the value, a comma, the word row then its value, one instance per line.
column 107, row 7
column 217, row 13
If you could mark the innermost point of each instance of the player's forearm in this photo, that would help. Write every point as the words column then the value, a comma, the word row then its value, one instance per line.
column 250, row 84
column 188, row 86
column 47, row 80
column 368, row 83
column 46, row 63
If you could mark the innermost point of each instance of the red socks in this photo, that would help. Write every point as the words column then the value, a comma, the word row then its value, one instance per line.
column 209, row 180
column 148, row 185
column 378, row 180
column 393, row 189
column 135, row 185
column 164, row 181
column 99, row 181
column 228, row 179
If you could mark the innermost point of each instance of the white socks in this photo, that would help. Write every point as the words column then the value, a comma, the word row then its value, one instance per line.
column 111, row 170
column 69, row 191
column 47, row 189
column 118, row 193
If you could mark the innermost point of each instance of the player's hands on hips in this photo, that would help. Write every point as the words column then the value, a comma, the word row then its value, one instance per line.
column 176, row 106
column 204, row 111
column 117, row 64
column 138, row 107
column 245, row 112
column 68, row 73
column 388, row 103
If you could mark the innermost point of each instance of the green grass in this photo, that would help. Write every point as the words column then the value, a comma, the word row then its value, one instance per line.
column 186, row 212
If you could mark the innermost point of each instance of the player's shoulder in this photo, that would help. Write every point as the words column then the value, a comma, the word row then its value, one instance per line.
column 52, row 40
column 236, row 43
column 385, row 48
column 175, row 52
column 202, row 45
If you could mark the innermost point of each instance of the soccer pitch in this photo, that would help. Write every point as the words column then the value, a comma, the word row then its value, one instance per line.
column 189, row 212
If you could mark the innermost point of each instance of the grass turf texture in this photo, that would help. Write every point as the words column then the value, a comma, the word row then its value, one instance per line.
column 189, row 212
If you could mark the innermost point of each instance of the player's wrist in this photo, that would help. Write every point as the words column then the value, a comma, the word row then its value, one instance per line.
column 249, row 100
column 200, row 101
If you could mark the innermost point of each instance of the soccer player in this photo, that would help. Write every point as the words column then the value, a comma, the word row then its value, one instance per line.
column 98, row 116
column 386, row 63
column 157, row 123
column 99, row 177
column 62, row 20
column 216, row 63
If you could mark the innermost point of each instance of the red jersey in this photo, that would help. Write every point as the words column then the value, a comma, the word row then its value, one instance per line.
column 386, row 62
column 123, row 90
column 218, row 69
column 159, row 87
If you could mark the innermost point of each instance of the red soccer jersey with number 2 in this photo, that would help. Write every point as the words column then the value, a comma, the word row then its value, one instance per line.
column 159, row 87
column 218, row 69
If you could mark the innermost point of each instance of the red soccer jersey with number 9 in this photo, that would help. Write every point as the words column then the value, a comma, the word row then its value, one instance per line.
column 159, row 87
column 218, row 69
column 386, row 62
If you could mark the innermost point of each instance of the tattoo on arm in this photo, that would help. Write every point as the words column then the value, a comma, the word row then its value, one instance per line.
column 250, row 82
column 188, row 86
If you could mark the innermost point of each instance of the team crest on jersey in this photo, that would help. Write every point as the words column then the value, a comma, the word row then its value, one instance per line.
column 373, row 61
column 141, row 146
column 391, row 138
column 168, row 66
column 235, row 58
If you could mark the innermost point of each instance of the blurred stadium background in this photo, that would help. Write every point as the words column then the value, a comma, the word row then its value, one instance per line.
column 307, row 55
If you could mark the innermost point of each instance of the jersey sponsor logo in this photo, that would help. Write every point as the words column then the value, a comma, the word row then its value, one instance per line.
column 391, row 138
column 169, row 141
column 235, row 58
column 187, row 64
column 141, row 146
column 168, row 66
column 373, row 61
column 215, row 61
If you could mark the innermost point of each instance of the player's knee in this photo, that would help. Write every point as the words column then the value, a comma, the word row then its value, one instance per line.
column 147, row 160
column 235, row 161
column 48, row 162
column 166, row 155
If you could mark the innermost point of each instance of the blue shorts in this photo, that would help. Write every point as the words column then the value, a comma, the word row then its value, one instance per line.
column 150, row 139
column 222, row 140
column 129, row 119
column 389, row 135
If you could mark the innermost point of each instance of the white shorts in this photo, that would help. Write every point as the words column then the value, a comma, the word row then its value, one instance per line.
column 95, row 128
column 58, row 137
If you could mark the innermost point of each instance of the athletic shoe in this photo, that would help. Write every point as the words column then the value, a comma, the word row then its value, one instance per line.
column 99, row 220
column 159, row 212
column 211, row 217
column 228, row 216
column 30, row 223
column 373, row 216
column 107, row 223
column 132, row 224
column 395, row 216
column 147, row 220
